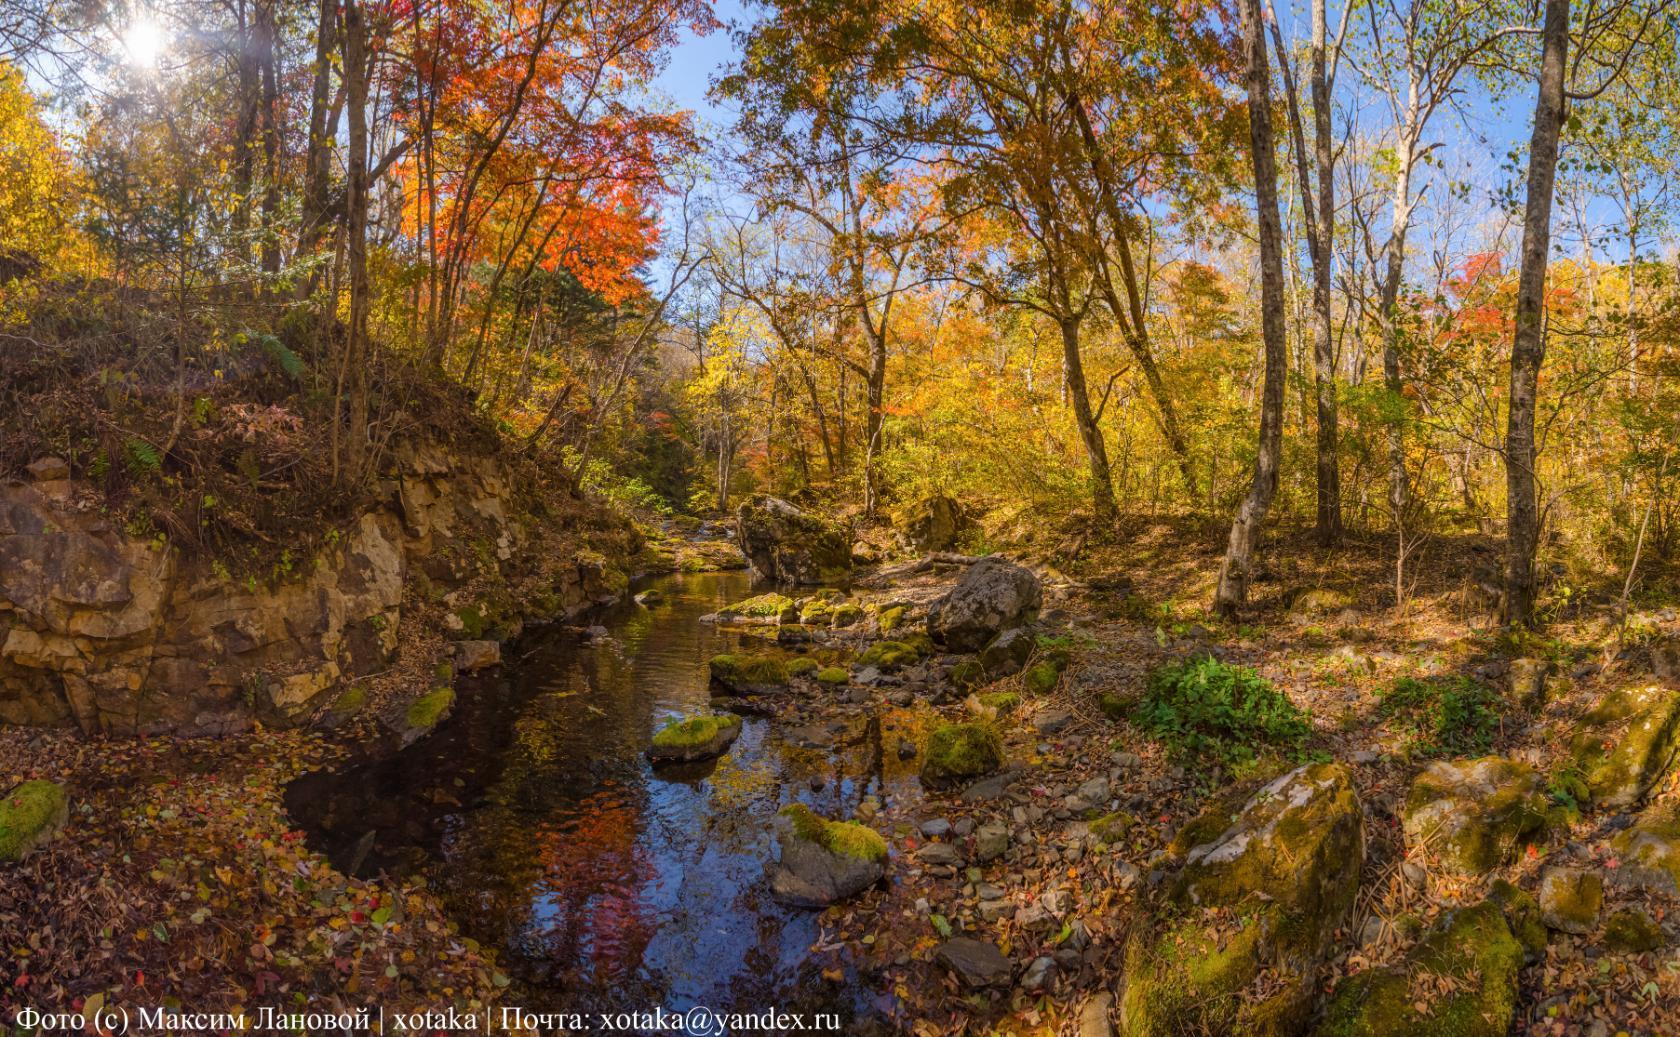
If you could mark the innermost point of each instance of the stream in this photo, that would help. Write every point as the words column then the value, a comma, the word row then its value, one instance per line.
column 607, row 886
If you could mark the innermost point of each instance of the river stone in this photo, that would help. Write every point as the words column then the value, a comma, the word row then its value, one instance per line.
column 790, row 546
column 957, row 752
column 1649, row 851
column 472, row 656
column 740, row 674
column 1472, row 948
column 1093, row 1018
column 1039, row 973
column 991, row 841
column 694, row 738
column 977, row 963
column 824, row 861
column 1628, row 743
column 1528, row 681
column 1473, row 814
column 940, row 854
column 1570, row 899
column 992, row 596
column 1283, row 875
column 30, row 816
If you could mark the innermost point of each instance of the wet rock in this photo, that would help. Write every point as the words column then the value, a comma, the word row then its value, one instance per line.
column 824, row 861
column 976, row 963
column 1473, row 815
column 1473, row 948
column 733, row 674
column 1039, row 974
column 957, row 752
column 1287, row 871
column 790, row 546
column 1628, row 743
column 425, row 713
column 649, row 598
column 31, row 815
column 992, row 596
column 991, row 841
column 941, row 855
column 1570, row 899
column 694, row 738
column 472, row 656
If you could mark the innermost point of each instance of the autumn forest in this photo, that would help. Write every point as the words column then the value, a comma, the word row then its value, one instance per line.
column 861, row 516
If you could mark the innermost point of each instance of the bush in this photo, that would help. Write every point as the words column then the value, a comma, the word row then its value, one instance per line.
column 1453, row 716
column 1207, row 708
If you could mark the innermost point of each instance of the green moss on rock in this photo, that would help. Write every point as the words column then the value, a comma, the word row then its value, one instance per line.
column 1650, row 850
column 1522, row 915
column 956, row 752
column 846, row 615
column 833, row 675
column 890, row 618
column 815, row 612
column 1473, row 815
column 888, row 655
column 1632, row 931
column 1474, row 948
column 351, row 701
column 1002, row 701
column 1111, row 828
column 745, row 674
column 29, row 816
column 766, row 607
column 800, row 666
column 1628, row 743
column 968, row 675
column 1042, row 677
column 843, row 837
column 695, row 738
column 1115, row 707
column 425, row 711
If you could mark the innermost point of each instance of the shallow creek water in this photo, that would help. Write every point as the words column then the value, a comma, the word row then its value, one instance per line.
column 533, row 810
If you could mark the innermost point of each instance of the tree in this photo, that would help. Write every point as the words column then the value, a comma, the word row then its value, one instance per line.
column 1236, row 572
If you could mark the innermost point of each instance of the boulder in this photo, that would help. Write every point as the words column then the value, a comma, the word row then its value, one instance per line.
column 1627, row 743
column 769, row 608
column 695, row 738
column 1649, row 851
column 1007, row 653
column 958, row 752
column 30, row 815
column 1570, row 899
column 992, row 596
column 1473, row 962
column 1472, row 815
column 425, row 713
column 824, row 861
column 933, row 524
column 472, row 656
column 790, row 546
column 1264, row 895
column 747, row 674
column 976, row 963
column 1528, row 682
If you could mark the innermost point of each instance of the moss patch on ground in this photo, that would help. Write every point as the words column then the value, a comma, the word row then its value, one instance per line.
column 28, row 814
column 802, row 665
column 833, row 675
column 1002, row 701
column 847, row 838
column 956, row 752
column 888, row 655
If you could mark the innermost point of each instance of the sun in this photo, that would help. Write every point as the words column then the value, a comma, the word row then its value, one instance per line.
column 144, row 42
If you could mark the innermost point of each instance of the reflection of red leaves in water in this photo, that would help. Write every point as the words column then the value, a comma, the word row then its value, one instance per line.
column 595, row 872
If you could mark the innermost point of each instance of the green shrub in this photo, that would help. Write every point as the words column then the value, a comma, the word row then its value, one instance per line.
column 1206, row 708
column 1443, row 716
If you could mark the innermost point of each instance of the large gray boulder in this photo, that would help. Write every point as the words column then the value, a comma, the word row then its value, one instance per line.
column 992, row 596
column 1474, row 815
column 824, row 861
column 790, row 546
column 933, row 524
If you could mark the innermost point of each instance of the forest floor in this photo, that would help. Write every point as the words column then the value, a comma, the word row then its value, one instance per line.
column 185, row 877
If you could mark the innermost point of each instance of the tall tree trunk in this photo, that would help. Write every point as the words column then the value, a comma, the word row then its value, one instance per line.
column 1236, row 571
column 356, row 346
column 1528, row 346
column 1324, row 347
column 1394, row 270
column 317, row 164
column 1096, row 452
column 875, row 401
column 265, row 44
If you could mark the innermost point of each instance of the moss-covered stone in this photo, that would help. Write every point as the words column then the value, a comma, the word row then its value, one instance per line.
column 957, row 752
column 1628, row 743
column 1473, row 815
column 846, row 615
column 1042, row 676
column 1474, row 948
column 1522, row 915
column 426, row 711
column 847, row 838
column 816, row 612
column 888, row 655
column 762, row 608
column 747, row 674
column 801, row 665
column 833, row 675
column 1111, row 828
column 350, row 702
column 1649, row 850
column 1265, row 895
column 1115, row 707
column 30, row 815
column 890, row 618
column 1632, row 931
column 1005, row 654
column 1002, row 701
column 694, row 738
column 968, row 675
column 1571, row 899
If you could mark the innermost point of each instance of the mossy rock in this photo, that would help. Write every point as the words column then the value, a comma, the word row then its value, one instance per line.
column 833, row 675
column 425, row 712
column 888, row 655
column 1002, row 701
column 475, row 620
column 1628, row 743
column 1116, row 707
column 846, row 615
column 815, row 612
column 762, row 608
column 1632, row 931
column 1649, row 850
column 1472, row 946
column 1318, row 601
column 1042, row 676
column 847, row 838
column 802, row 665
column 694, row 738
column 30, row 815
column 823, row 861
column 1005, row 654
column 1571, row 899
column 1111, row 828
column 890, row 619
column 1473, row 815
column 1522, row 915
column 968, row 675
column 1266, row 894
column 747, row 674
column 958, row 752
column 350, row 702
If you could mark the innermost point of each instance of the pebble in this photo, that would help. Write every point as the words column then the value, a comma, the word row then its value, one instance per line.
column 1039, row 973
column 1050, row 721
column 936, row 828
column 1093, row 1018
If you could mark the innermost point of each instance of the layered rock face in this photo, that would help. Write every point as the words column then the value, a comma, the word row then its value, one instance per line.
column 119, row 635
column 790, row 546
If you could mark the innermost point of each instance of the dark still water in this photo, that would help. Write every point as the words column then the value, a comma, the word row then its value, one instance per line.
column 535, row 813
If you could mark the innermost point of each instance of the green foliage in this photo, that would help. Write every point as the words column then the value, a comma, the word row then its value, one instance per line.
column 1203, row 708
column 626, row 493
column 141, row 458
column 25, row 813
column 1451, row 716
column 289, row 363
